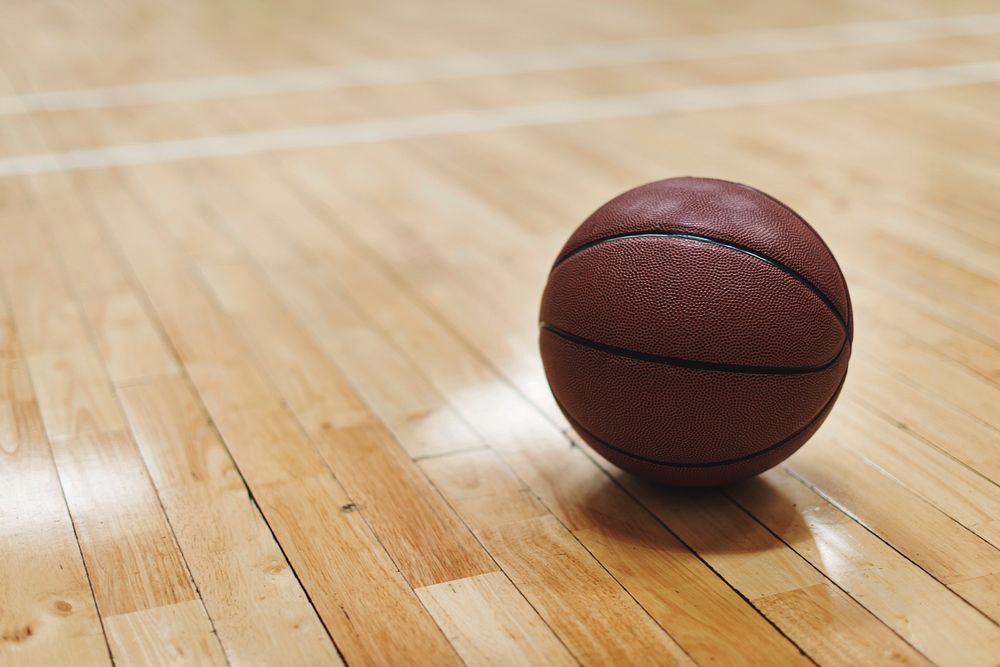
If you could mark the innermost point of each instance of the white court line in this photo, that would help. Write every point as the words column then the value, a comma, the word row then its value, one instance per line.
column 549, row 113
column 579, row 56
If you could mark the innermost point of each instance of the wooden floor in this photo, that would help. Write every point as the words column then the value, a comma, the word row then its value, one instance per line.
column 270, row 391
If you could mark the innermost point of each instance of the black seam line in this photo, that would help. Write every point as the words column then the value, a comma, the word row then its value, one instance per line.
column 577, row 425
column 719, row 242
column 694, row 363
column 843, row 280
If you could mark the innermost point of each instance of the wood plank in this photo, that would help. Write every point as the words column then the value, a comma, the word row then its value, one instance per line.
column 938, row 623
column 86, row 259
column 459, row 280
column 816, row 607
column 557, row 565
column 179, row 634
column 829, row 625
column 417, row 528
column 72, row 388
column 912, row 409
column 951, row 487
column 970, row 351
column 490, row 623
column 372, row 618
column 47, row 610
column 131, row 346
column 365, row 603
column 128, row 340
column 924, row 368
column 184, row 213
column 872, row 497
column 256, row 604
column 596, row 619
column 133, row 561
column 416, row 412
column 985, row 590
column 420, row 417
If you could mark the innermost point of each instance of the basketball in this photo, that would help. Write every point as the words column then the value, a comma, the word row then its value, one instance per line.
column 695, row 331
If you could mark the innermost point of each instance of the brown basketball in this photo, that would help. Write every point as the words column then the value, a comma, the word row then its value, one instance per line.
column 695, row 331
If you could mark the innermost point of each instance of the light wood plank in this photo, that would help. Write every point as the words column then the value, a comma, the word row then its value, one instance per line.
column 47, row 610
column 827, row 623
column 132, row 348
column 912, row 409
column 872, row 497
column 420, row 532
column 596, row 619
column 257, row 606
column 179, row 634
column 373, row 619
column 365, row 603
column 115, row 510
column 985, row 591
column 422, row 419
column 73, row 390
column 86, row 259
column 415, row 411
column 951, row 487
column 185, row 215
column 922, row 367
column 131, row 555
column 970, row 351
column 490, row 623
column 815, row 608
column 938, row 623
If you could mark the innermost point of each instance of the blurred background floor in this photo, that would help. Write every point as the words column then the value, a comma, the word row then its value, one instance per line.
column 270, row 389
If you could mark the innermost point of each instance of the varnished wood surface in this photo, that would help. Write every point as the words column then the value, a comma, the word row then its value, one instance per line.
column 269, row 385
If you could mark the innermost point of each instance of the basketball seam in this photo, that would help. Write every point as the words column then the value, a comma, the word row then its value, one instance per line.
column 792, row 273
column 843, row 280
column 714, row 464
column 693, row 363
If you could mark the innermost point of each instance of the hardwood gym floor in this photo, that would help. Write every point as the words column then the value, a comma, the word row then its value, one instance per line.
column 270, row 390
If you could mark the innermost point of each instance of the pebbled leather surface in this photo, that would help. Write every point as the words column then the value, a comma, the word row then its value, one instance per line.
column 729, row 211
column 711, row 476
column 632, row 312
column 739, row 310
column 682, row 415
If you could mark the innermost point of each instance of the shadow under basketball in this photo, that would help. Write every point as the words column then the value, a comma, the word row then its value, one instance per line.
column 706, row 520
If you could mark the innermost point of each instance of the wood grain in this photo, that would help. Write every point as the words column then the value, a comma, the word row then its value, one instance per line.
column 490, row 623
column 306, row 508
column 47, row 609
column 426, row 540
column 171, row 635
column 132, row 558
column 269, row 383
column 935, row 621
column 567, row 586
column 257, row 606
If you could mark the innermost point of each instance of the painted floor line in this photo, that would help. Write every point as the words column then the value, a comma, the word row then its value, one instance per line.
column 607, row 54
column 549, row 113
